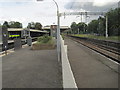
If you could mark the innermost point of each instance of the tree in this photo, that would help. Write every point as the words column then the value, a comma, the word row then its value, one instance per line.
column 29, row 25
column 17, row 25
column 82, row 27
column 113, row 22
column 74, row 27
column 33, row 25
column 6, row 24
column 38, row 26
column 0, row 24
column 93, row 26
column 12, row 24
column 98, row 26
column 101, row 26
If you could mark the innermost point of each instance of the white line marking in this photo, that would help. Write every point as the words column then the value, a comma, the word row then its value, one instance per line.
column 67, row 74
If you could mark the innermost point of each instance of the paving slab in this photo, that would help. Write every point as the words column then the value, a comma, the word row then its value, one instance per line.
column 88, row 67
column 26, row 68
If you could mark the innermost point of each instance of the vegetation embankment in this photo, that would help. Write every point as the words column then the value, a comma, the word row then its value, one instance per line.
column 113, row 38
column 45, row 40
column 44, row 43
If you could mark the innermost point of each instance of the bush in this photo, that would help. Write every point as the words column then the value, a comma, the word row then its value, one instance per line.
column 45, row 40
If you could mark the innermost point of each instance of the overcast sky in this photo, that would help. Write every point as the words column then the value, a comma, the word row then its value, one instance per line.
column 26, row 11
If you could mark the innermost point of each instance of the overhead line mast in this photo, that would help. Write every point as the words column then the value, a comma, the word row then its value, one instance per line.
column 88, row 13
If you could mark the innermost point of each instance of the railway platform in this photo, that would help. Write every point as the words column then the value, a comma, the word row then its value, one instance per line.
column 26, row 68
column 90, row 69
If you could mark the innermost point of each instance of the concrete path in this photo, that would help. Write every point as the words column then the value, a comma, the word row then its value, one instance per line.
column 89, row 69
column 31, row 69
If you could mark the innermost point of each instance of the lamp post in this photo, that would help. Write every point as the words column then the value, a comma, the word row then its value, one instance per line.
column 106, row 25
column 106, row 31
column 58, row 29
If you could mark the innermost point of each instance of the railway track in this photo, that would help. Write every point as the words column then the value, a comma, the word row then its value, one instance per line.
column 103, row 47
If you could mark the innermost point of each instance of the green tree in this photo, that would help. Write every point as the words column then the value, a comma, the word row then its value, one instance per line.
column 38, row 26
column 93, row 27
column 101, row 26
column 6, row 24
column 34, row 25
column 18, row 25
column 13, row 24
column 74, row 27
column 113, row 22
column 82, row 27
column 0, row 24
column 29, row 25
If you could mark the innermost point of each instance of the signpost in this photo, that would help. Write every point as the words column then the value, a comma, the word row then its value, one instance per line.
column 53, row 31
column 25, row 33
column 5, row 39
column 29, row 41
column 17, row 43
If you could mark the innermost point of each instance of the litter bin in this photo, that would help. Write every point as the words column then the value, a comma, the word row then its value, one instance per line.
column 29, row 41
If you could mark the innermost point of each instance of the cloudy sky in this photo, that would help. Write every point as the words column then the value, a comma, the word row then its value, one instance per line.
column 26, row 11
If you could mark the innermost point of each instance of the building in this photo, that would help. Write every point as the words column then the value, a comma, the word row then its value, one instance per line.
column 62, row 28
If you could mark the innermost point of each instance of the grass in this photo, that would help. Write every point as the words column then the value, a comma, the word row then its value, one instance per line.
column 63, row 36
column 113, row 38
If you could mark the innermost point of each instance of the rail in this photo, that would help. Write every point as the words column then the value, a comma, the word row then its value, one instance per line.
column 105, row 44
